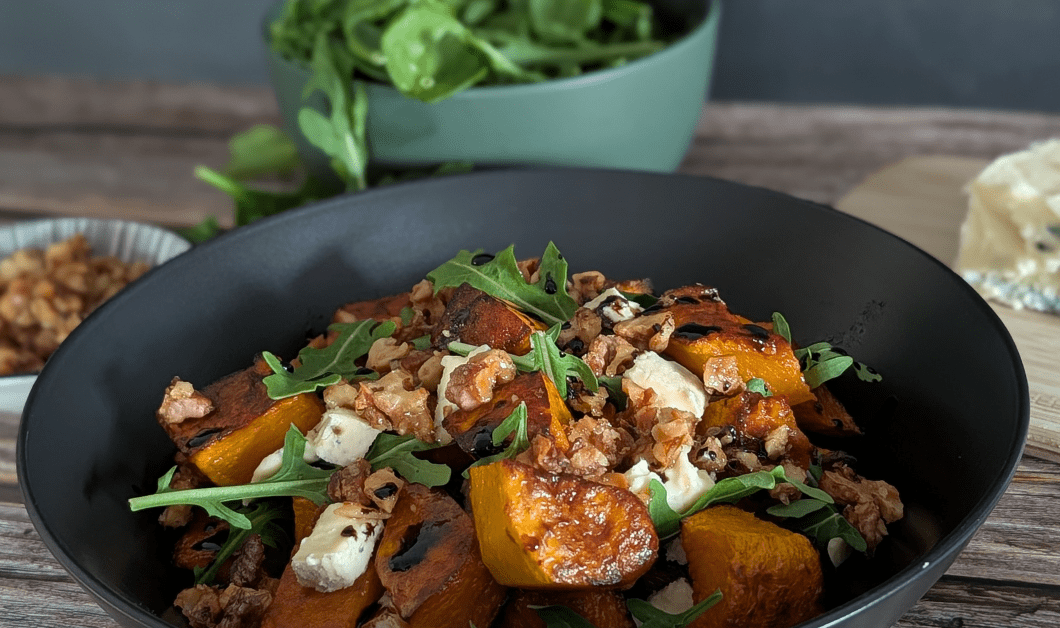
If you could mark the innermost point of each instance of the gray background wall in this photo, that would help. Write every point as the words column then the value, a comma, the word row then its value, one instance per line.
column 983, row 53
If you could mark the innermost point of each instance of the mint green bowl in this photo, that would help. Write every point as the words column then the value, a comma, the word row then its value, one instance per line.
column 640, row 116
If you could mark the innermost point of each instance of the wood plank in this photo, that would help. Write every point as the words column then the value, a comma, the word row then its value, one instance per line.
column 959, row 602
column 922, row 200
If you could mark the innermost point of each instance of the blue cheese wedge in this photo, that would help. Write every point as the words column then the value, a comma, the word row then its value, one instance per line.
column 339, row 548
column 1010, row 240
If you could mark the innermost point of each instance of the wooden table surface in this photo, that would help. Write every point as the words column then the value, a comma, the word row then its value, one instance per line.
column 71, row 146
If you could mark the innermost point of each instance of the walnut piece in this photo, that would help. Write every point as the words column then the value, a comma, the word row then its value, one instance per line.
column 181, row 401
column 471, row 384
column 868, row 504
column 393, row 403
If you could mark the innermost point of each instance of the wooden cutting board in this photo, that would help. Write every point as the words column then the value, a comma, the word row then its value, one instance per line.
column 922, row 200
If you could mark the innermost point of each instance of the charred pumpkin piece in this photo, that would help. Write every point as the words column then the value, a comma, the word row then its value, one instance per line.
column 758, row 417
column 476, row 318
column 305, row 516
column 826, row 415
column 429, row 563
column 200, row 542
column 546, row 414
column 602, row 607
column 381, row 309
column 295, row 606
column 769, row 577
column 705, row 329
column 544, row 531
column 244, row 426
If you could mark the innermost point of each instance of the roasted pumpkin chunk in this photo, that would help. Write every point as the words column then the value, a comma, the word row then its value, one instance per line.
column 546, row 414
column 705, row 329
column 769, row 577
column 295, row 606
column 244, row 425
column 476, row 318
column 768, row 420
column 826, row 415
column 544, row 531
column 429, row 563
column 602, row 607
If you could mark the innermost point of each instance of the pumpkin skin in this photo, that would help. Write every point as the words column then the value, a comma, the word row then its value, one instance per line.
column 295, row 606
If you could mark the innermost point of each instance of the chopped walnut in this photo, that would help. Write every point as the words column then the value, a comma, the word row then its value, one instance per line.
column 744, row 462
column 44, row 295
column 721, row 377
column 386, row 618
column 777, row 443
column 187, row 476
column 869, row 504
column 660, row 433
column 430, row 371
column 392, row 403
column 382, row 488
column 587, row 286
column 347, row 484
column 247, row 563
column 786, row 492
column 385, row 350
column 651, row 332
column 181, row 401
column 609, row 356
column 233, row 607
column 589, row 403
column 341, row 395
column 711, row 455
column 596, row 446
column 584, row 327
column 471, row 384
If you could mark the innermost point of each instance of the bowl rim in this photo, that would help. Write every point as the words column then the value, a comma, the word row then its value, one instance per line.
column 917, row 575
column 675, row 48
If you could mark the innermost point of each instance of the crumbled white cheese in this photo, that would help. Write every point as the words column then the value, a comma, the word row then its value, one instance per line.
column 271, row 463
column 1010, row 239
column 674, row 385
column 838, row 551
column 342, row 437
column 617, row 309
column 674, row 598
column 338, row 549
column 684, row 482
column 675, row 552
column 444, row 407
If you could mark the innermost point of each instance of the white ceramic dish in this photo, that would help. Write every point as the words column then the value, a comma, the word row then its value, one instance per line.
column 129, row 241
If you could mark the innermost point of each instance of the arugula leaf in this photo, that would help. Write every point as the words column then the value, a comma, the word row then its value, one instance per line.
column 261, row 150
column 514, row 425
column 821, row 361
column 253, row 204
column 205, row 230
column 758, row 385
column 441, row 63
column 323, row 367
column 828, row 523
column 614, row 391
column 797, row 508
column 341, row 135
column 652, row 617
column 546, row 299
column 294, row 479
column 725, row 491
column 546, row 357
column 263, row 522
column 391, row 450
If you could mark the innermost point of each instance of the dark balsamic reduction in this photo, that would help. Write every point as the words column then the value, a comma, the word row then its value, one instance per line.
column 687, row 300
column 418, row 540
column 386, row 491
column 692, row 331
column 201, row 438
column 481, row 258
column 757, row 331
column 550, row 284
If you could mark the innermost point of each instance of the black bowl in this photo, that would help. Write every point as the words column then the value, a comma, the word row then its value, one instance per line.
column 946, row 425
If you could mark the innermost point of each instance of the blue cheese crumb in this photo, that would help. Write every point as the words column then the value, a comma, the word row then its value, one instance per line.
column 339, row 548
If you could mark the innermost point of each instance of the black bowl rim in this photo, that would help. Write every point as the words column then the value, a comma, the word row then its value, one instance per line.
column 921, row 574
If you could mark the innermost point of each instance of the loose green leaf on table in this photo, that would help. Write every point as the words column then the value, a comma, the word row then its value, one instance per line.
column 319, row 368
column 295, row 478
column 253, row 204
column 391, row 450
column 546, row 299
column 261, row 150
